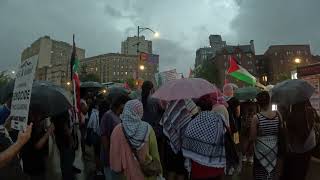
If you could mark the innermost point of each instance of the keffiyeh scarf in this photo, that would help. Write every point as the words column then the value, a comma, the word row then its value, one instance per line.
column 203, row 140
column 136, row 130
column 266, row 152
column 175, row 120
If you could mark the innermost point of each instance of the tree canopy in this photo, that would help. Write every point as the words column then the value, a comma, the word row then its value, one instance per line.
column 209, row 71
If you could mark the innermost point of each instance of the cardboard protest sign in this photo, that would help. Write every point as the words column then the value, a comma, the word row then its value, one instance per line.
column 22, row 93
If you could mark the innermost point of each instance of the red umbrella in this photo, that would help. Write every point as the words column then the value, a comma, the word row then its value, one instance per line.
column 185, row 89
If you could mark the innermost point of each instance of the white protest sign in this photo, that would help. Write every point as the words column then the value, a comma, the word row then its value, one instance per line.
column 22, row 93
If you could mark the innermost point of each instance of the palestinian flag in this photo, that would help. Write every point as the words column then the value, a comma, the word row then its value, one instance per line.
column 238, row 72
column 74, row 65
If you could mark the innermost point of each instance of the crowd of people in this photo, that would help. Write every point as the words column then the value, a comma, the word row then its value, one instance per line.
column 206, row 138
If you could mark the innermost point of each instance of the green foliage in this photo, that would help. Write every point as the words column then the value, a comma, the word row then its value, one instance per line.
column 131, row 83
column 89, row 77
column 283, row 76
column 4, row 78
column 208, row 71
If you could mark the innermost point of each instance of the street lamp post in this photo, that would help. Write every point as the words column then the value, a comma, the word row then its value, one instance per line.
column 140, row 30
column 297, row 61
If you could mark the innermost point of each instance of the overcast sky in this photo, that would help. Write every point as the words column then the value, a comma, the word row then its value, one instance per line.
column 184, row 25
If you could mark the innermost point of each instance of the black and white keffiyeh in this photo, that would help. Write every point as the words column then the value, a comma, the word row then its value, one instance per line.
column 203, row 140
column 136, row 130
column 266, row 150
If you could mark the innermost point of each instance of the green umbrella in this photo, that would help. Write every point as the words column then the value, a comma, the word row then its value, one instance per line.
column 135, row 95
column 117, row 91
column 246, row 93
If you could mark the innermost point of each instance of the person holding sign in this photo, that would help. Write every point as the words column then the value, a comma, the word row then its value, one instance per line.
column 35, row 152
column 10, row 167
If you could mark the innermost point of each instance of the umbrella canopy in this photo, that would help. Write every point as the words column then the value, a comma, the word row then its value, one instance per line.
column 117, row 91
column 6, row 90
column 247, row 93
column 184, row 89
column 291, row 92
column 90, row 84
column 49, row 99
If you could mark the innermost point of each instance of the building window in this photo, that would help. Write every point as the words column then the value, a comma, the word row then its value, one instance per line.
column 249, row 62
column 126, row 73
column 118, row 73
column 298, row 52
column 121, row 73
column 288, row 53
column 121, row 67
column 96, row 69
column 281, row 61
column 239, row 55
column 275, row 53
column 307, row 60
column 249, row 55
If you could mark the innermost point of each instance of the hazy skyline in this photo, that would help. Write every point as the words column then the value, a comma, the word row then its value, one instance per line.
column 184, row 25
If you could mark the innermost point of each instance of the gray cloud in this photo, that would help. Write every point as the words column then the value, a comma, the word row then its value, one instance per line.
column 173, row 55
column 112, row 11
column 101, row 25
column 279, row 22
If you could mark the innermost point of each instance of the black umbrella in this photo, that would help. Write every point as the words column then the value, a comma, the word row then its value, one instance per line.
column 49, row 98
column 291, row 92
column 117, row 91
column 46, row 97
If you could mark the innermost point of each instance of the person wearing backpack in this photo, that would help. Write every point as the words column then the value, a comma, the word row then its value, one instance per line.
column 301, row 140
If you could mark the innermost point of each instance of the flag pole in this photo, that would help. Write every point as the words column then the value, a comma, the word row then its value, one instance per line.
column 73, row 80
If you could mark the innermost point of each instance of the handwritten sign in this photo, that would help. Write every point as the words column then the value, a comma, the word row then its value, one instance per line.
column 22, row 93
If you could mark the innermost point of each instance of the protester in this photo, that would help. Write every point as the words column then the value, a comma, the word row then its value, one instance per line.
column 220, row 106
column 93, row 135
column 108, row 122
column 234, row 114
column 10, row 167
column 82, row 116
column 152, row 111
column 35, row 152
column 5, row 110
column 175, row 120
column 65, row 143
column 248, row 110
column 203, row 143
column 301, row 139
column 152, row 114
column 133, row 150
column 264, row 133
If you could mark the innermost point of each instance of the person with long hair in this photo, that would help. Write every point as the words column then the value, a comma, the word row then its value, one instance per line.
column 152, row 114
column 300, row 119
column 134, row 145
column 248, row 111
column 152, row 111
column 264, row 132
